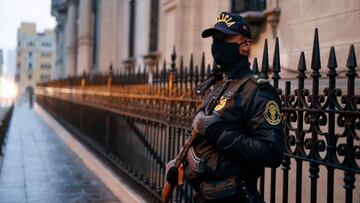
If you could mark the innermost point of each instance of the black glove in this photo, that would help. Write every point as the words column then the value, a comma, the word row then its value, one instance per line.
column 171, row 172
column 201, row 121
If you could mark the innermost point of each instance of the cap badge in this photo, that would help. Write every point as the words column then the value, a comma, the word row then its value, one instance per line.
column 225, row 19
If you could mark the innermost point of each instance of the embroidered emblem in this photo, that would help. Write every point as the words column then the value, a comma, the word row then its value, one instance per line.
column 225, row 19
column 221, row 104
column 272, row 113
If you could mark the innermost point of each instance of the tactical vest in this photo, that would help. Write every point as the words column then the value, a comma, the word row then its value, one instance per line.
column 203, row 161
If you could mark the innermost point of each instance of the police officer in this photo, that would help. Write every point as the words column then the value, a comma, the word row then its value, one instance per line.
column 245, row 132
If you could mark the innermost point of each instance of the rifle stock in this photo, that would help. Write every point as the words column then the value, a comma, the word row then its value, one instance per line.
column 166, row 192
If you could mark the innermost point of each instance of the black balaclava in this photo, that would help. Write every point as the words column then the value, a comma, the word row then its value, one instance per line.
column 227, row 55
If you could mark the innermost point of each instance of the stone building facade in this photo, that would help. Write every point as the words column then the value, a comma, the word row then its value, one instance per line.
column 35, row 57
column 92, row 34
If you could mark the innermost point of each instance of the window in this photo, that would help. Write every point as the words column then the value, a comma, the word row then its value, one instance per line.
column 30, row 54
column 30, row 66
column 46, row 44
column 132, row 28
column 44, row 77
column 18, row 66
column 30, row 76
column 240, row 6
column 45, row 66
column 154, row 22
column 45, row 54
column 30, row 43
column 95, row 30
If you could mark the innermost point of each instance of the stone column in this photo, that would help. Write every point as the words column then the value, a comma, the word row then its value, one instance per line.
column 70, row 40
column 59, row 70
column 84, row 37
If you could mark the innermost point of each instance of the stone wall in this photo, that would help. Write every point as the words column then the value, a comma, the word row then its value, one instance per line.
column 181, row 23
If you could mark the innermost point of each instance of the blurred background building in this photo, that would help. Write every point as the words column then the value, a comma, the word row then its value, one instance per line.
column 35, row 57
column 92, row 34
column 1, row 62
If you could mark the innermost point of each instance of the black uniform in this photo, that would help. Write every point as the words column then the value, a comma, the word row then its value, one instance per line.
column 234, row 150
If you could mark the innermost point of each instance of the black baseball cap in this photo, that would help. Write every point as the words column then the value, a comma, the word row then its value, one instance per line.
column 229, row 24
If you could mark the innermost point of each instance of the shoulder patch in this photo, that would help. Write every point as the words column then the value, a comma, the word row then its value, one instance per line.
column 272, row 113
column 258, row 79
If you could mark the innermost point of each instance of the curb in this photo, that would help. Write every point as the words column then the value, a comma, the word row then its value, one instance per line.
column 117, row 186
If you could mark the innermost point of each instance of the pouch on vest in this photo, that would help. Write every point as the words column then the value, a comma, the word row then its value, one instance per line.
column 217, row 189
column 195, row 164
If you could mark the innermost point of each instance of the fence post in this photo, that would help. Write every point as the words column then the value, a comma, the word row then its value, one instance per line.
column 109, row 79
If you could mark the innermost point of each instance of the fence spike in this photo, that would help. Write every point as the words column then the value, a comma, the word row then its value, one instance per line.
column 276, row 64
column 191, row 72
column 173, row 59
column 111, row 69
column 332, row 63
column 196, row 75
column 351, row 72
column 156, row 77
column 186, row 77
column 208, row 71
column 181, row 73
column 315, row 59
column 276, row 61
column 144, row 75
column 302, row 63
column 163, row 74
column 191, row 65
column 202, row 68
column 265, row 61
column 255, row 67
column 351, row 60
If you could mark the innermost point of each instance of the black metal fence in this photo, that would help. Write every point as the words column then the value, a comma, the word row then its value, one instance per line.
column 4, row 126
column 140, row 126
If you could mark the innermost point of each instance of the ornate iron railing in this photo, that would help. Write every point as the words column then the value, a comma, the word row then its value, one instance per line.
column 140, row 126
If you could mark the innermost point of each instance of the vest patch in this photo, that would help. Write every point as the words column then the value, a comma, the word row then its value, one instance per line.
column 272, row 113
column 221, row 104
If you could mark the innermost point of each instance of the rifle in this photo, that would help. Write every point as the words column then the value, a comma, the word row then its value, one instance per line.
column 180, row 158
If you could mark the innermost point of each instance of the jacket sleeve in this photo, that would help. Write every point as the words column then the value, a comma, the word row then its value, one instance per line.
column 262, row 141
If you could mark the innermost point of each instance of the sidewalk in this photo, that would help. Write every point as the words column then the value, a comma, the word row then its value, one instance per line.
column 38, row 167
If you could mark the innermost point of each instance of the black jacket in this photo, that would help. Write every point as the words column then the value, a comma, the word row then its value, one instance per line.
column 250, row 135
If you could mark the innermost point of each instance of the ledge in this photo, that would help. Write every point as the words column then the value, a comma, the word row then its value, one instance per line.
column 115, row 183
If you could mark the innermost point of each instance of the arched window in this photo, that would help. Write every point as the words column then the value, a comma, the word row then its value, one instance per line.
column 240, row 6
column 154, row 23
column 95, row 22
column 132, row 28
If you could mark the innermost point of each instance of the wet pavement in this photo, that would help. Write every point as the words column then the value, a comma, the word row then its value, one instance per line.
column 39, row 168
